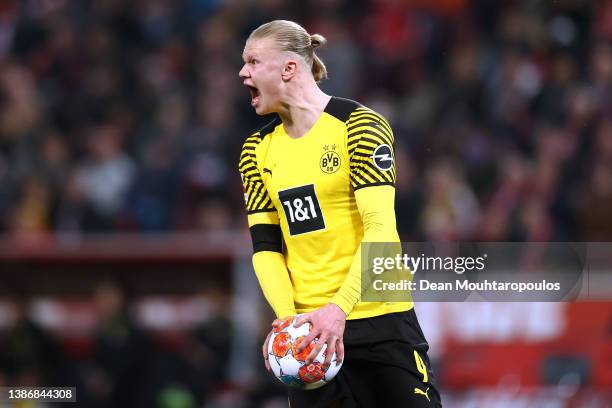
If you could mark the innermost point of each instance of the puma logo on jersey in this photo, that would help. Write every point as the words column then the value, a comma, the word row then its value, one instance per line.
column 266, row 170
column 421, row 392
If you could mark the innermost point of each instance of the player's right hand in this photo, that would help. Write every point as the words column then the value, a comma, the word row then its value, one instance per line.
column 264, row 350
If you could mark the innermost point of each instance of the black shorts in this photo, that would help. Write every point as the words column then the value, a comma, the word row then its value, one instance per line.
column 385, row 365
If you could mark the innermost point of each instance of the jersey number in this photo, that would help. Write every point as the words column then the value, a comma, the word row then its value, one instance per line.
column 302, row 209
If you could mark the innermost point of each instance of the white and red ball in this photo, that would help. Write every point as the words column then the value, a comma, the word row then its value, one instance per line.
column 289, row 366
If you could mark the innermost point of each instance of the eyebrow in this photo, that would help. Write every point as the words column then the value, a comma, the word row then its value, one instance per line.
column 245, row 57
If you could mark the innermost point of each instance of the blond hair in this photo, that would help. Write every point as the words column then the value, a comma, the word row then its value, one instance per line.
column 290, row 36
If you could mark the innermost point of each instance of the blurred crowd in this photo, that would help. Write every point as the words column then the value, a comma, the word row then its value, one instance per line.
column 129, row 116
column 119, row 363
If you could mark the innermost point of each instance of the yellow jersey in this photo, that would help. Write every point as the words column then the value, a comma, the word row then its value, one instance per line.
column 308, row 184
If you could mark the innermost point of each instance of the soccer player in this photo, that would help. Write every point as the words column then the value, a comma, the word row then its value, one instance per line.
column 319, row 180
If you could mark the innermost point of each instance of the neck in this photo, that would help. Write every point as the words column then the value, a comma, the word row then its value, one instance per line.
column 301, row 108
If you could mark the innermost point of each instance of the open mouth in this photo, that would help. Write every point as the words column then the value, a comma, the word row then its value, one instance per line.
column 255, row 95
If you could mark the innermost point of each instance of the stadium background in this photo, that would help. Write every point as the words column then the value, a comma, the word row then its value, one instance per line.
column 124, row 257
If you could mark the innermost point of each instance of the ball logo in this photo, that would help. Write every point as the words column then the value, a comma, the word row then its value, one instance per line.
column 383, row 157
column 311, row 373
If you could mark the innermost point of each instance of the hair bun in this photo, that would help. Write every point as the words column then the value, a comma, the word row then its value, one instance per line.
column 317, row 40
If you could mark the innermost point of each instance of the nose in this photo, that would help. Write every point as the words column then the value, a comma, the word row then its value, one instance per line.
column 244, row 72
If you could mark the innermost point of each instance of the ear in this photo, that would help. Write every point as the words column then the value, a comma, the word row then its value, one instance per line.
column 289, row 69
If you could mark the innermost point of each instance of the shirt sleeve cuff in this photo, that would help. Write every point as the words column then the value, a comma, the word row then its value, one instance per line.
column 342, row 304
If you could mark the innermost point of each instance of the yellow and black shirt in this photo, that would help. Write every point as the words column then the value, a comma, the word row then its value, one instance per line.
column 328, row 191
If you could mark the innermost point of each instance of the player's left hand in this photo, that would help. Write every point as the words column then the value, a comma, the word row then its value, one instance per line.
column 327, row 325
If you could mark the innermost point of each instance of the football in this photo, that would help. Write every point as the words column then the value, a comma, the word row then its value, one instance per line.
column 289, row 366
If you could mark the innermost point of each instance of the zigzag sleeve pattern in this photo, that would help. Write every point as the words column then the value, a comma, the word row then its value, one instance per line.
column 367, row 132
column 256, row 196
